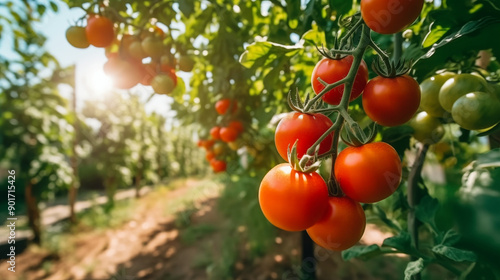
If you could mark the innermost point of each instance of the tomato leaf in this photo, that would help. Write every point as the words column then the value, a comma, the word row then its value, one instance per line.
column 398, row 137
column 450, row 238
column 401, row 242
column 472, row 36
column 414, row 268
column 54, row 6
column 426, row 211
column 263, row 53
column 186, row 7
column 436, row 33
column 341, row 7
column 455, row 254
column 361, row 252
column 489, row 159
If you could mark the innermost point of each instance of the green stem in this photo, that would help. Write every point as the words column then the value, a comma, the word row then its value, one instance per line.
column 414, row 198
column 335, row 127
column 348, row 82
column 351, row 31
column 398, row 47
column 448, row 266
column 323, row 92
column 333, row 185
column 384, row 56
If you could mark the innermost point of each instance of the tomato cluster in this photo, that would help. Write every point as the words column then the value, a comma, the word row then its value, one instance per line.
column 389, row 101
column 222, row 137
column 295, row 200
column 293, row 197
column 142, row 57
column 473, row 103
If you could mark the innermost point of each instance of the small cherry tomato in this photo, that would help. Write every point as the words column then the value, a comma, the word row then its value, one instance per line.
column 293, row 200
column 368, row 173
column 306, row 129
column 391, row 101
column 341, row 227
column 334, row 70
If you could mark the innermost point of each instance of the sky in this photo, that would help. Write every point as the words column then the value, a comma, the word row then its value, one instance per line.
column 91, row 82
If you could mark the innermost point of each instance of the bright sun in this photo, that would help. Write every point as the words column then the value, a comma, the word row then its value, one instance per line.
column 100, row 82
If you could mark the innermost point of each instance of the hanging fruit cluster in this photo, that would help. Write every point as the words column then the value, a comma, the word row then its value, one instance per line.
column 472, row 102
column 223, row 137
column 140, row 57
column 293, row 196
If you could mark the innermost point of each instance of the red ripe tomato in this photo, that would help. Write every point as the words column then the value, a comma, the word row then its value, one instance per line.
column 368, row 173
column 389, row 17
column 200, row 143
column 125, row 73
column 218, row 165
column 91, row 17
column 215, row 132
column 391, row 101
column 237, row 125
column 207, row 144
column 307, row 129
column 228, row 134
column 293, row 200
column 341, row 227
column 210, row 155
column 334, row 70
column 100, row 31
column 223, row 105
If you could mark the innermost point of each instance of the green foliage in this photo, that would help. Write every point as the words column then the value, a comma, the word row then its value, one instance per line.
column 98, row 216
column 35, row 124
column 254, row 52
column 193, row 233
column 239, row 202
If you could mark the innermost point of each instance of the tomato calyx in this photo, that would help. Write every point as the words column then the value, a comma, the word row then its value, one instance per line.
column 297, row 105
column 307, row 163
column 355, row 136
column 388, row 69
column 330, row 54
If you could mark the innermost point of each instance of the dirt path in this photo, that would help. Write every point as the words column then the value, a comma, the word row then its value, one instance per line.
column 159, row 243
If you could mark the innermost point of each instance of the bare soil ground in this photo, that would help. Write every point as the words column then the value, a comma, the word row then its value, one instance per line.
column 150, row 245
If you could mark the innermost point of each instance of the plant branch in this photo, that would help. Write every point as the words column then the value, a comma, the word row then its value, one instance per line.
column 324, row 91
column 398, row 47
column 333, row 185
column 413, row 198
column 351, row 31
column 383, row 55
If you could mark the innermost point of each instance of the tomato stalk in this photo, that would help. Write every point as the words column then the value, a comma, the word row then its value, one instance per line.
column 348, row 82
column 385, row 58
column 398, row 46
column 351, row 31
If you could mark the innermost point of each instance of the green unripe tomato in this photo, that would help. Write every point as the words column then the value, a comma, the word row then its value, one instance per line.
column 429, row 98
column 459, row 86
column 427, row 129
column 153, row 47
column 186, row 63
column 162, row 84
column 76, row 37
column 476, row 110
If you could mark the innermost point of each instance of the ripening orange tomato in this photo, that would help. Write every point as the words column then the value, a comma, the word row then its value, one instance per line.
column 100, row 31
